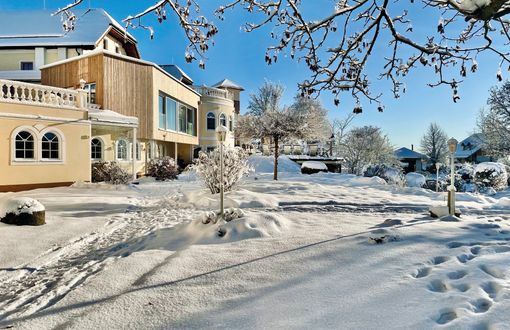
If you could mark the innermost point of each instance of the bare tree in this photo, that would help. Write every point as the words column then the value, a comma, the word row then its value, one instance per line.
column 339, row 127
column 494, row 122
column 316, row 117
column 338, row 46
column 268, row 119
column 364, row 146
column 434, row 143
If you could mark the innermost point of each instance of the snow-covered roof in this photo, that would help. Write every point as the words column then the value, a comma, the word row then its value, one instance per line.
column 177, row 73
column 469, row 146
column 111, row 118
column 23, row 75
column 406, row 153
column 226, row 83
column 23, row 28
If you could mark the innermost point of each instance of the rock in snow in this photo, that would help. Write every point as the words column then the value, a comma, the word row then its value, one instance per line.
column 22, row 211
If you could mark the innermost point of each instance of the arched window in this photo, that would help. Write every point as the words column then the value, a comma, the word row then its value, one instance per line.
column 211, row 121
column 50, row 146
column 223, row 120
column 230, row 124
column 122, row 150
column 24, row 148
column 96, row 149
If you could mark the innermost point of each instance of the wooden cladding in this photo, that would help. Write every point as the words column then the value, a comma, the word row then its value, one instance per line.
column 122, row 86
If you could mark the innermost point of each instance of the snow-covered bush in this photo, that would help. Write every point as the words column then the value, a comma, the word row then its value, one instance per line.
column 391, row 175
column 162, row 169
column 491, row 175
column 109, row 172
column 235, row 166
column 415, row 180
column 466, row 171
column 311, row 167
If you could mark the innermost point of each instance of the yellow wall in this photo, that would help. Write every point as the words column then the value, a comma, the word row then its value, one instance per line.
column 216, row 106
column 75, row 163
column 165, row 84
column 111, row 45
column 51, row 55
column 10, row 59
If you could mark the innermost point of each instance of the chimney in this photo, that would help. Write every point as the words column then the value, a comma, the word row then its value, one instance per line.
column 412, row 147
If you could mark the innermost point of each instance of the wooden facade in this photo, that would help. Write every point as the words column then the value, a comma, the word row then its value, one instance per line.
column 122, row 85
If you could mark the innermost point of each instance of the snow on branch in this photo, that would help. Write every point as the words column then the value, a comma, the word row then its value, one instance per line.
column 338, row 47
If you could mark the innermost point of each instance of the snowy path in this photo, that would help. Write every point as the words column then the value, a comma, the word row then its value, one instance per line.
column 46, row 280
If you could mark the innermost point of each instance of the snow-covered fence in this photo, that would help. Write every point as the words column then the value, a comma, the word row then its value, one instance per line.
column 33, row 94
column 214, row 92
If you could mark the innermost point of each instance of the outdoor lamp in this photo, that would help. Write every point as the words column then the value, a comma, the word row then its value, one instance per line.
column 452, row 147
column 221, row 135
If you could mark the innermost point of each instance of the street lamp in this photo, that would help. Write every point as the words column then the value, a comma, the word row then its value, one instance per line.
column 331, row 141
column 438, row 166
column 452, row 147
column 221, row 135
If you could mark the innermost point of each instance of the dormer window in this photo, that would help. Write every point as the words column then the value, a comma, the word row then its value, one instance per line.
column 117, row 49
column 26, row 66
column 105, row 44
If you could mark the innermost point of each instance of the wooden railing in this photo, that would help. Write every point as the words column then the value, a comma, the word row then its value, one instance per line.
column 25, row 93
column 214, row 92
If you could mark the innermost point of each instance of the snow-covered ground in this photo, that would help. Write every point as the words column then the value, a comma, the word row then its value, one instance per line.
column 304, row 256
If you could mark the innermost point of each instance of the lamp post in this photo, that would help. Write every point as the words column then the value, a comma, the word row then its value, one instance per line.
column 438, row 166
column 452, row 146
column 221, row 134
column 331, row 141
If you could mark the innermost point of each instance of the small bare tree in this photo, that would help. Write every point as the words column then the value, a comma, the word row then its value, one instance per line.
column 339, row 128
column 434, row 143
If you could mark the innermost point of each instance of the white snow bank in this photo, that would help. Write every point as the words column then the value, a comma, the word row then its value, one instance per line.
column 490, row 166
column 415, row 180
column 265, row 164
column 204, row 200
column 315, row 165
column 365, row 181
column 502, row 203
column 19, row 205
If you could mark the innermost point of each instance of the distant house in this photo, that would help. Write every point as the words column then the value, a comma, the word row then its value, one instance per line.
column 32, row 39
column 413, row 161
column 471, row 150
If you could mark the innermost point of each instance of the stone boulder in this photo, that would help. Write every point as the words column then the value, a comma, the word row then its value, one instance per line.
column 25, row 219
column 22, row 211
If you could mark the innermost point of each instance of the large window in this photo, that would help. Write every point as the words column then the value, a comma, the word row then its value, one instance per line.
column 230, row 124
column 50, row 146
column 211, row 121
column 24, row 148
column 223, row 120
column 122, row 150
column 96, row 151
column 167, row 113
column 190, row 121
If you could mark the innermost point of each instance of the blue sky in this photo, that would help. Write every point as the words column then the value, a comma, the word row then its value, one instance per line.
column 239, row 56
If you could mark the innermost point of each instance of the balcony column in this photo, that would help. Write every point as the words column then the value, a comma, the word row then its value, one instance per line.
column 39, row 58
column 133, row 158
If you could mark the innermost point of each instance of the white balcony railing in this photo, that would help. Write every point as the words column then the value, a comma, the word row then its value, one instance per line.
column 214, row 92
column 25, row 93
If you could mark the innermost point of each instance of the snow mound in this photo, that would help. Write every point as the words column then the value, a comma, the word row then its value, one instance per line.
column 19, row 205
column 415, row 180
column 366, row 181
column 502, row 203
column 197, row 232
column 315, row 165
column 265, row 164
column 204, row 200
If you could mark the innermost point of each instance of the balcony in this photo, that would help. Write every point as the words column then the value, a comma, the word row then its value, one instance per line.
column 33, row 94
column 214, row 92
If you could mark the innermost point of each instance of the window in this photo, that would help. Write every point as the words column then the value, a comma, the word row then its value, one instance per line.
column 211, row 121
column 24, row 148
column 171, row 108
column 91, row 93
column 182, row 119
column 138, row 147
column 117, row 49
column 26, row 66
column 122, row 150
column 50, row 146
column 190, row 116
column 167, row 113
column 96, row 151
column 105, row 44
column 162, row 112
column 230, row 124
column 223, row 120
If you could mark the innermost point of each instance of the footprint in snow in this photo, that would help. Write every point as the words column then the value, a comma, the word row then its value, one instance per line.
column 493, row 271
column 492, row 289
column 481, row 305
column 438, row 286
column 463, row 258
column 439, row 260
column 457, row 275
column 422, row 272
column 446, row 316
